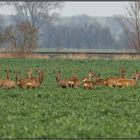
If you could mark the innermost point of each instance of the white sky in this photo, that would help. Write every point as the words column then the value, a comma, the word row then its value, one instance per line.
column 89, row 8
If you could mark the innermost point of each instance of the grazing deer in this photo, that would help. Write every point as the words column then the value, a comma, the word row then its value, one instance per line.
column 74, row 81
column 61, row 82
column 35, row 82
column 128, row 82
column 22, row 83
column 7, row 83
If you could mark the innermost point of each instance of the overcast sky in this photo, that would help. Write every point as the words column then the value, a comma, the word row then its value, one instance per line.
column 93, row 8
column 88, row 8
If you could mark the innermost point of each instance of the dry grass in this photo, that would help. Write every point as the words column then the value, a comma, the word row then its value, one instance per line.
column 79, row 56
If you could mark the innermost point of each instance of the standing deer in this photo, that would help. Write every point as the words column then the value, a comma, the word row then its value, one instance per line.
column 90, row 75
column 61, row 82
column 35, row 82
column 17, row 75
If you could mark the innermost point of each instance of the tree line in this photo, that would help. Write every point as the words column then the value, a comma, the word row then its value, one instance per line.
column 81, row 36
column 33, row 27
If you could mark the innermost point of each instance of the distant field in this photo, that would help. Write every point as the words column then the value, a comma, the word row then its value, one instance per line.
column 83, row 50
column 52, row 112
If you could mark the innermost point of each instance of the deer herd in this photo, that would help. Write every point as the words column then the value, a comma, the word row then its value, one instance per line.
column 28, row 82
column 90, row 81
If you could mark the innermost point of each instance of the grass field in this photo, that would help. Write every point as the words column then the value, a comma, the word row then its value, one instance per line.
column 52, row 112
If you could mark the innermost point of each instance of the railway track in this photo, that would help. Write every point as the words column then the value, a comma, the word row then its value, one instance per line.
column 102, row 53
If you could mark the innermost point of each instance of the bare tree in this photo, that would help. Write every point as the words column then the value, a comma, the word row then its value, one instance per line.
column 37, row 13
column 22, row 39
column 2, row 39
column 130, row 23
column 31, row 15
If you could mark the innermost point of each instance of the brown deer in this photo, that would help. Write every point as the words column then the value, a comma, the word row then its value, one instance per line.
column 87, row 83
column 122, row 72
column 16, row 74
column 128, row 82
column 61, row 82
column 74, row 81
column 35, row 82
column 7, row 83
column 98, row 81
column 22, row 83
column 90, row 75
column 110, row 81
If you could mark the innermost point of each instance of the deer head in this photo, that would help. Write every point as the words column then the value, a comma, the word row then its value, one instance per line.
column 29, row 73
column 16, row 74
column 58, row 77
column 122, row 71
column 8, row 72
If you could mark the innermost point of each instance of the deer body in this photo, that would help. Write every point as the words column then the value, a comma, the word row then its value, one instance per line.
column 35, row 82
column 61, row 82
column 89, row 76
column 22, row 83
column 98, row 81
column 87, row 83
column 128, row 82
column 7, row 83
column 111, row 81
column 74, row 81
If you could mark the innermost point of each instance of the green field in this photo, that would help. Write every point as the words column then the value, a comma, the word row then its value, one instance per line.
column 52, row 112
